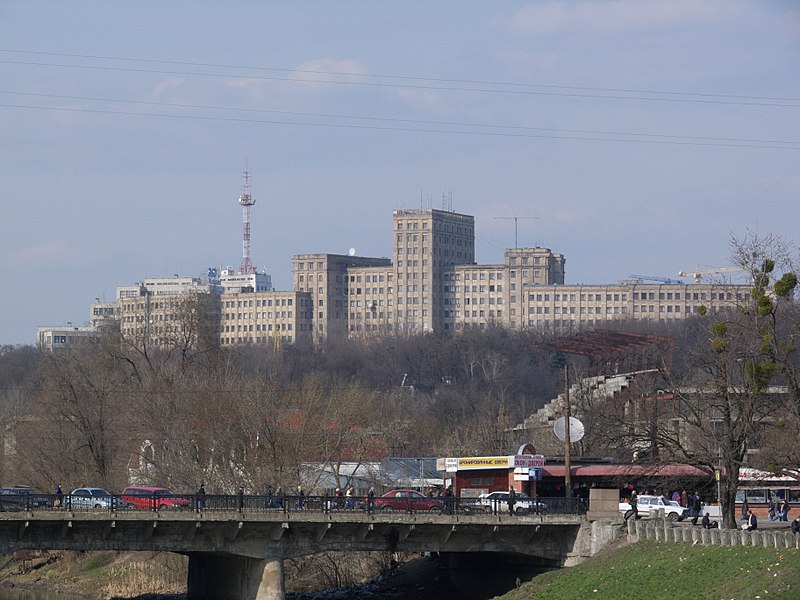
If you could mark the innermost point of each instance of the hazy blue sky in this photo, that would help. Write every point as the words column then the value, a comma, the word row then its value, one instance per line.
column 125, row 127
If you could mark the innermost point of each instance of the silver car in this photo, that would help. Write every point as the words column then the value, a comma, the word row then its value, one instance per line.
column 90, row 497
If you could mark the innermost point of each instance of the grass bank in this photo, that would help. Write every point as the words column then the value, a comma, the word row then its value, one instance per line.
column 669, row 571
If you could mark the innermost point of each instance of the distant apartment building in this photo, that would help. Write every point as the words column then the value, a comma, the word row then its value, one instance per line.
column 430, row 283
column 62, row 337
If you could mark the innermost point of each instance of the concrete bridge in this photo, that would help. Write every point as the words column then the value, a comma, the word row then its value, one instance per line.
column 239, row 555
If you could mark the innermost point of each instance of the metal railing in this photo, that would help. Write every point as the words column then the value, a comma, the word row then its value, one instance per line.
column 248, row 503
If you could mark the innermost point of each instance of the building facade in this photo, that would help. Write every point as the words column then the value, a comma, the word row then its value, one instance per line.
column 430, row 283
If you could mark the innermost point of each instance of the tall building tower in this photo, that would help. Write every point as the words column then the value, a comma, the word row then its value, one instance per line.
column 428, row 243
column 246, row 200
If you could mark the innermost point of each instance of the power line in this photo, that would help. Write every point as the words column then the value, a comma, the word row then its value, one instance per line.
column 398, row 120
column 676, row 142
column 407, row 77
column 792, row 103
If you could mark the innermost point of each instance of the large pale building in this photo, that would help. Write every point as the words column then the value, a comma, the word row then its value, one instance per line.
column 430, row 283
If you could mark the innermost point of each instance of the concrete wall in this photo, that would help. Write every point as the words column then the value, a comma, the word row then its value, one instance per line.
column 661, row 530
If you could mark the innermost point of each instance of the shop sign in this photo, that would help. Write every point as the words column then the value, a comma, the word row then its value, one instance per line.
column 529, row 460
column 483, row 462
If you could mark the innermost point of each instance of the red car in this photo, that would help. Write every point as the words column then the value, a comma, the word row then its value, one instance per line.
column 408, row 500
column 151, row 498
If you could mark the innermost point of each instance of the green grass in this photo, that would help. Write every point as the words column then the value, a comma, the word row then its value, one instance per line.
column 670, row 571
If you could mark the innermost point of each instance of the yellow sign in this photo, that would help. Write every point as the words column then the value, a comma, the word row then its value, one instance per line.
column 483, row 462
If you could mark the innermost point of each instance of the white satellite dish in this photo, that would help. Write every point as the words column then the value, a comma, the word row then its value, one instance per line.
column 576, row 429
column 351, row 252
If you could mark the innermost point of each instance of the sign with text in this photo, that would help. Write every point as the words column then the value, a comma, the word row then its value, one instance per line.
column 529, row 460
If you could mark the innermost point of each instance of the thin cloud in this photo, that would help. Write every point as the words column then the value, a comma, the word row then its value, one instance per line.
column 617, row 16
column 50, row 252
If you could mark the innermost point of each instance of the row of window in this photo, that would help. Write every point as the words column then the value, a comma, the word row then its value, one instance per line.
column 258, row 327
column 284, row 314
column 257, row 303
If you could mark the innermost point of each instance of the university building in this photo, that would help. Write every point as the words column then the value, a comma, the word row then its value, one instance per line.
column 430, row 283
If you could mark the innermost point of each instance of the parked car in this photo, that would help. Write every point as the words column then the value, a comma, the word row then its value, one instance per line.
column 90, row 497
column 408, row 500
column 648, row 506
column 151, row 498
column 20, row 497
column 523, row 504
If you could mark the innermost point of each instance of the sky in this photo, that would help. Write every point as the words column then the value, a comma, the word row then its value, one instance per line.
column 632, row 136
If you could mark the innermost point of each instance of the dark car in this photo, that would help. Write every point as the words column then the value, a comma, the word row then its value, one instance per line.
column 19, row 497
column 151, row 498
column 408, row 500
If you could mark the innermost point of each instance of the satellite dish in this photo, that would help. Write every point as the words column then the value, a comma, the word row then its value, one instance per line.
column 576, row 429
column 351, row 252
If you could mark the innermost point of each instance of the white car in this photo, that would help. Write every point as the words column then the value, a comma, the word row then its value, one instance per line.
column 648, row 506
column 498, row 501
column 90, row 498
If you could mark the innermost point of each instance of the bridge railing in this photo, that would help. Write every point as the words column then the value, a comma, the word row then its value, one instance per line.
column 270, row 503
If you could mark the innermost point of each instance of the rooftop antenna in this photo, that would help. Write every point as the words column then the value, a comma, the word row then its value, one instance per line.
column 516, row 219
column 246, row 201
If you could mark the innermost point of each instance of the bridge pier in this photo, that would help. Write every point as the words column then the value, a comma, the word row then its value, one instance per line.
column 232, row 577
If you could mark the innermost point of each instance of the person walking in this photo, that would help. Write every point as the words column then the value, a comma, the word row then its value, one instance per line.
column 634, row 504
column 512, row 499
column 301, row 497
column 240, row 498
column 783, row 510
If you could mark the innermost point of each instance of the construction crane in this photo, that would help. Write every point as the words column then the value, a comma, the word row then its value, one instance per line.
column 654, row 278
column 698, row 273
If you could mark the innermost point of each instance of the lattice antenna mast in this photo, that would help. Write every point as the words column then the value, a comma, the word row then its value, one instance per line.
column 246, row 200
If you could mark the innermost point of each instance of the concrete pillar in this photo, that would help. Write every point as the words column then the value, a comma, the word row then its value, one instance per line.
column 755, row 537
column 744, row 535
column 705, row 536
column 686, row 533
column 715, row 537
column 231, row 577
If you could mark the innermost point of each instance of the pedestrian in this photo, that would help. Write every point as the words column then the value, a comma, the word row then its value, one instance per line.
column 301, row 497
column 783, row 510
column 697, row 507
column 59, row 501
column 684, row 499
column 634, row 504
column 350, row 501
column 745, row 507
column 796, row 524
column 752, row 522
column 280, row 494
column 370, row 499
column 240, row 498
column 201, row 496
column 512, row 499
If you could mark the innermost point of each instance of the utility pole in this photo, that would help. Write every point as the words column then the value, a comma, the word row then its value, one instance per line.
column 515, row 218
column 567, row 474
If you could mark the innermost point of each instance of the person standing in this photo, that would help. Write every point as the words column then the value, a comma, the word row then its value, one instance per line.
column 59, row 501
column 240, row 498
column 201, row 496
column 512, row 499
column 301, row 497
column 370, row 499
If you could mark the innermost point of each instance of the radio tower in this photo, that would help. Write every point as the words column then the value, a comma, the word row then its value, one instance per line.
column 246, row 268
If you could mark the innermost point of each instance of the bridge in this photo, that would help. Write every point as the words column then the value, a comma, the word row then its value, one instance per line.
column 237, row 554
